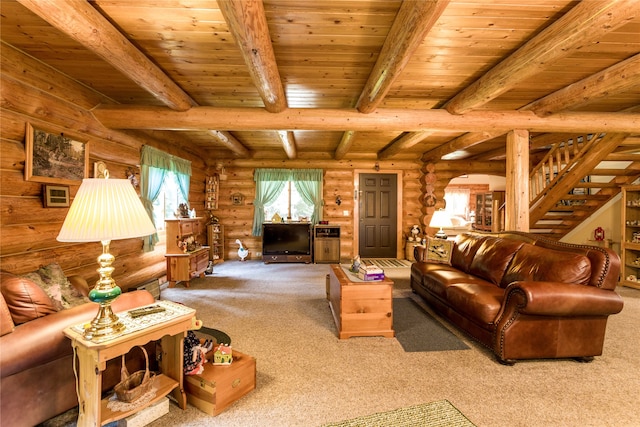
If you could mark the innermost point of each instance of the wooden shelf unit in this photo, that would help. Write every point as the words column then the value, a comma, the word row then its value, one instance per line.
column 211, row 192
column 630, row 245
column 488, row 216
column 181, row 265
column 215, row 240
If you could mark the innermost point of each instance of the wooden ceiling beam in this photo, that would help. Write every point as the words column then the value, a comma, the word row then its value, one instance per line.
column 248, row 25
column 587, row 21
column 345, row 144
column 407, row 140
column 615, row 79
column 84, row 24
column 289, row 143
column 203, row 118
column 412, row 23
column 230, row 141
column 618, row 78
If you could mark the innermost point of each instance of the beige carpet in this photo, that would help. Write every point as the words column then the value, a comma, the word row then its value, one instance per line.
column 307, row 377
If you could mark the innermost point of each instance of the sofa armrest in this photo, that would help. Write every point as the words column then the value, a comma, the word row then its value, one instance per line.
column 41, row 340
column 562, row 299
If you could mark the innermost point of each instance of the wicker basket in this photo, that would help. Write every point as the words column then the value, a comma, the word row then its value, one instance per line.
column 131, row 387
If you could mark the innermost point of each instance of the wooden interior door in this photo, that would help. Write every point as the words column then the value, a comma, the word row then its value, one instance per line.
column 378, row 203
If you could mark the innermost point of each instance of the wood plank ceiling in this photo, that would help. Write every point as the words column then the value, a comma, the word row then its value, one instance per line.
column 345, row 79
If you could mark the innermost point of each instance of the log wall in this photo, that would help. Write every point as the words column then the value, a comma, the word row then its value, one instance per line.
column 339, row 177
column 34, row 93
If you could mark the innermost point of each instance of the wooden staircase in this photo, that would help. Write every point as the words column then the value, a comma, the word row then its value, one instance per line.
column 571, row 182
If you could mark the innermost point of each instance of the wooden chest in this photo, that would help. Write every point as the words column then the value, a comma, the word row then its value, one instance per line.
column 360, row 308
column 219, row 386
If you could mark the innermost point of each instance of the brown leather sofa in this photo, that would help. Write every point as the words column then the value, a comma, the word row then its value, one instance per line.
column 523, row 296
column 36, row 359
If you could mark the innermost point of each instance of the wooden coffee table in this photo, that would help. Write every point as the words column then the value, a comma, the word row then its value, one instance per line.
column 362, row 309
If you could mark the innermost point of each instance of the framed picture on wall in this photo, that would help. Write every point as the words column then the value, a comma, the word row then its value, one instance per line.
column 54, row 157
column 56, row 196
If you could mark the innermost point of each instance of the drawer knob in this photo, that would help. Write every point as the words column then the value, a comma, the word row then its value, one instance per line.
column 235, row 383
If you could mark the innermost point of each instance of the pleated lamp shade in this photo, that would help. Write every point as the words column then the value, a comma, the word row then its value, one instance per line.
column 105, row 209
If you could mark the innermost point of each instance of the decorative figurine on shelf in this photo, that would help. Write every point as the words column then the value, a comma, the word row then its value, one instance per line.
column 209, row 269
column 222, row 354
column 415, row 230
column 598, row 234
column 355, row 265
column 183, row 211
column 242, row 252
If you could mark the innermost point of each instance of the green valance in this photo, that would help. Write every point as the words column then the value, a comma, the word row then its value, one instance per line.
column 265, row 174
column 155, row 158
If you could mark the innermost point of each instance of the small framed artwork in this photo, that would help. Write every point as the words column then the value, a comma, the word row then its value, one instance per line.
column 54, row 158
column 56, row 196
column 237, row 199
column 98, row 169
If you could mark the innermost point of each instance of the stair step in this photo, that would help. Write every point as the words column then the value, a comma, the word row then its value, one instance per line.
column 596, row 185
column 615, row 172
column 537, row 225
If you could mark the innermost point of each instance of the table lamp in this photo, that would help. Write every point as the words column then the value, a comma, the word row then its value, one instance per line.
column 440, row 219
column 104, row 210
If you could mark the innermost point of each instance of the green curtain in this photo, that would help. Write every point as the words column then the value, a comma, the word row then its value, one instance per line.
column 154, row 164
column 270, row 182
column 151, row 180
column 311, row 193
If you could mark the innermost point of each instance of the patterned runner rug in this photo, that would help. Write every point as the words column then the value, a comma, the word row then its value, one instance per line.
column 387, row 262
column 435, row 414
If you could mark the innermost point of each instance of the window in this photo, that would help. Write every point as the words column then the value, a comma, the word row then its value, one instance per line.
column 164, row 177
column 457, row 202
column 290, row 192
column 289, row 205
column 168, row 200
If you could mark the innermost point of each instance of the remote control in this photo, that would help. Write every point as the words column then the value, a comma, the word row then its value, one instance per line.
column 143, row 311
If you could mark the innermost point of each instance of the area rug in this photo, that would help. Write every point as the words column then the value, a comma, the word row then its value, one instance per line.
column 417, row 330
column 436, row 414
column 387, row 262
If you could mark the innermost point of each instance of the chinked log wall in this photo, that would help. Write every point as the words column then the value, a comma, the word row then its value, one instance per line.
column 338, row 180
column 32, row 92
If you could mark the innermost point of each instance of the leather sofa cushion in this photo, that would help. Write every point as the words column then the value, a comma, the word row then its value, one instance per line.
column 533, row 263
column 438, row 281
column 464, row 250
column 493, row 257
column 26, row 300
column 478, row 301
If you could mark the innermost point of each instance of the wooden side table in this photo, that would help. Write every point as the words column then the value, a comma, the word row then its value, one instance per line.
column 171, row 327
column 360, row 308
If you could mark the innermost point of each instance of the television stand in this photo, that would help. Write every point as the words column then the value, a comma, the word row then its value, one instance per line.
column 286, row 242
column 267, row 259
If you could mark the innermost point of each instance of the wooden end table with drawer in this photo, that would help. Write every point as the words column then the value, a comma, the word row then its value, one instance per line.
column 360, row 309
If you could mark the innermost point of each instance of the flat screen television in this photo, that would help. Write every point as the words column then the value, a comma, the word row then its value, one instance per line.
column 286, row 239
